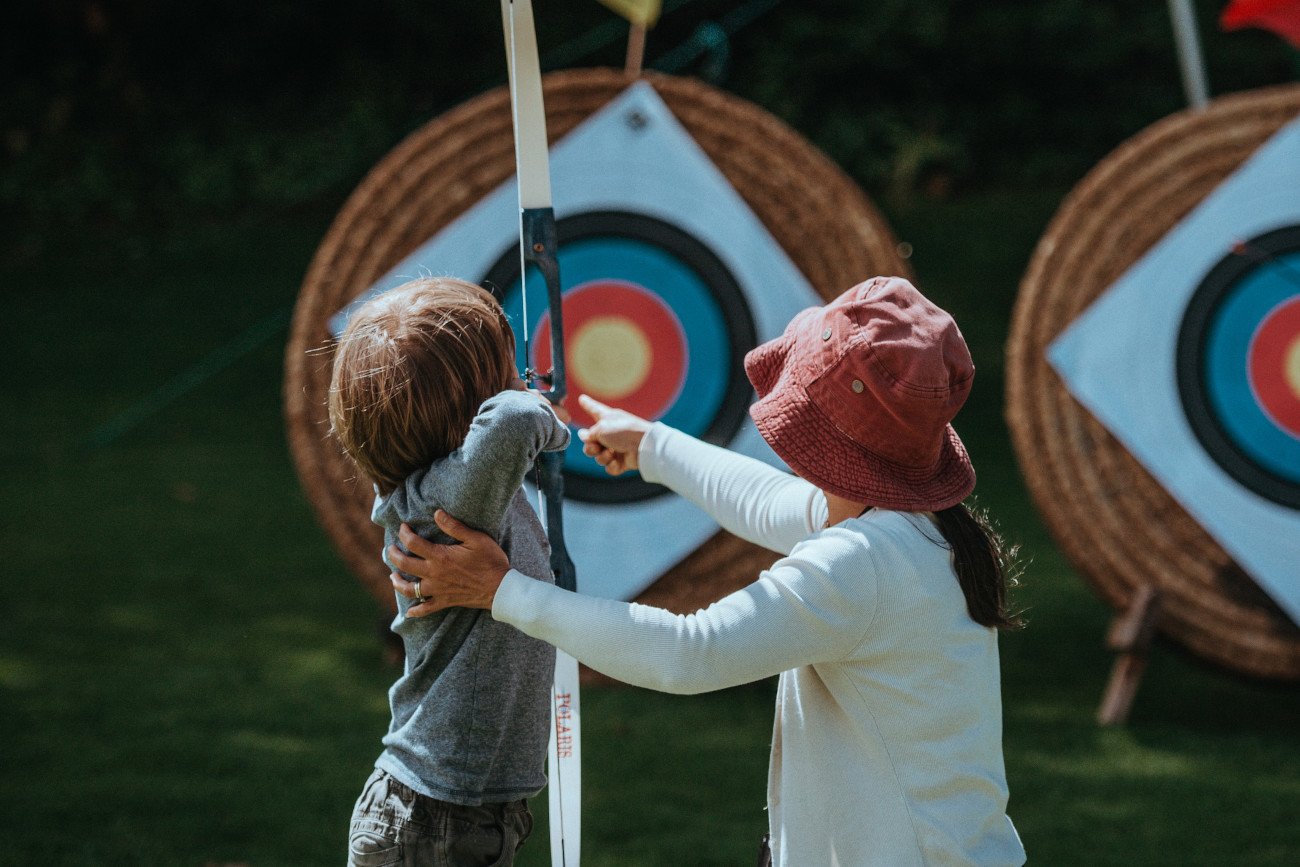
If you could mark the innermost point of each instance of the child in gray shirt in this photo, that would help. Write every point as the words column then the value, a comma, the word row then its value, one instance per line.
column 426, row 401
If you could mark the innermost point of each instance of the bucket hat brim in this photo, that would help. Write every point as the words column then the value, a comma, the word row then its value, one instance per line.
column 811, row 445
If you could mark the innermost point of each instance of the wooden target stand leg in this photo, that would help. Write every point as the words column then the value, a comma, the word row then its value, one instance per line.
column 1130, row 636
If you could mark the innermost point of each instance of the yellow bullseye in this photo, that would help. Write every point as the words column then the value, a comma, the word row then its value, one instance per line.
column 1291, row 367
column 611, row 356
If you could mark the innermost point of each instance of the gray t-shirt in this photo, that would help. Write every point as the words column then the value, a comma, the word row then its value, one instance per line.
column 471, row 713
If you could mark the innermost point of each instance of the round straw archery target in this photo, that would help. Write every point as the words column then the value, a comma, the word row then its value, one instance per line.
column 1151, row 352
column 655, row 324
column 437, row 183
column 1239, row 364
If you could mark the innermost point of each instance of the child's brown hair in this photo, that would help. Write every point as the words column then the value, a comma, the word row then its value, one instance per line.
column 411, row 371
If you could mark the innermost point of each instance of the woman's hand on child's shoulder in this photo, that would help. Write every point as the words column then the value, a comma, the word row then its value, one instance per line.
column 465, row 575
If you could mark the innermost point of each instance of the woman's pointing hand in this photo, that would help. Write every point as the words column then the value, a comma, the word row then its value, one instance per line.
column 615, row 439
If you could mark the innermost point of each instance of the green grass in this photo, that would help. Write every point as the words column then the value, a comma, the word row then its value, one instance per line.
column 188, row 675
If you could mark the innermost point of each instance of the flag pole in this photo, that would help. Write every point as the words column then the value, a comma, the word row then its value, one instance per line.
column 1189, row 53
column 635, row 50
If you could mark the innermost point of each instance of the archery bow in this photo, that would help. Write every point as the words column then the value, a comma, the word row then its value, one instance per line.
column 538, row 245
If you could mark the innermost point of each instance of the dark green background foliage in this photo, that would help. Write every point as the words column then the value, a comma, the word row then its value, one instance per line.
column 188, row 674
column 137, row 109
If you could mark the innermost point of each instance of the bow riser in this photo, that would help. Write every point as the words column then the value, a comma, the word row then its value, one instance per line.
column 540, row 242
column 550, row 468
column 540, row 245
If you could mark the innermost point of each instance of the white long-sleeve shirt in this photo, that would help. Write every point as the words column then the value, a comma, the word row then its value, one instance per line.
column 887, row 748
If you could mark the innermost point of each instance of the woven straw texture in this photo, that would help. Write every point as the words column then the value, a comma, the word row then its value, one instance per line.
column 817, row 214
column 1120, row 528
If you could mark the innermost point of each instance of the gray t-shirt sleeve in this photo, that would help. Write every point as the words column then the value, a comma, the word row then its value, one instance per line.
column 477, row 481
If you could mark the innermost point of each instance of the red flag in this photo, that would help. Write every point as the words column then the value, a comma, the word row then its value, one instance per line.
column 1280, row 16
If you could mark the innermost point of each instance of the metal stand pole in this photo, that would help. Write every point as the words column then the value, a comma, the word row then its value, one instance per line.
column 1189, row 53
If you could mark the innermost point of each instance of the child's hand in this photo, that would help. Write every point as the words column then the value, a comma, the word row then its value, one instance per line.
column 615, row 439
column 560, row 412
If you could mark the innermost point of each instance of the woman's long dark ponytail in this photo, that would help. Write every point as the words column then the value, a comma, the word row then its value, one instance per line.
column 984, row 565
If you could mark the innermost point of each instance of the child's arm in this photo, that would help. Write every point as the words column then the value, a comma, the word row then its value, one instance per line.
column 478, row 480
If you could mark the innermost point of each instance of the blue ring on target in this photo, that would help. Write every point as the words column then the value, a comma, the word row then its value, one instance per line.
column 683, row 275
column 1216, row 341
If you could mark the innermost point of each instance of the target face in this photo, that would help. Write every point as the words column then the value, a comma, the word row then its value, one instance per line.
column 654, row 323
column 669, row 278
column 1239, row 364
column 627, row 348
column 1190, row 358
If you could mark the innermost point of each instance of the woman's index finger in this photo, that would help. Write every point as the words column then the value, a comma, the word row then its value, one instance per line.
column 399, row 559
column 452, row 526
column 593, row 406
column 415, row 543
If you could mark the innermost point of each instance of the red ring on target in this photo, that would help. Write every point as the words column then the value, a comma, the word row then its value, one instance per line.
column 1274, row 366
column 622, row 345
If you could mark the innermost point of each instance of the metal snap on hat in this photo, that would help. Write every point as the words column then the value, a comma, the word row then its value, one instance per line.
column 857, row 397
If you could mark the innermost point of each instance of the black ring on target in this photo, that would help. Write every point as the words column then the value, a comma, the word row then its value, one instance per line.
column 723, row 291
column 1195, row 359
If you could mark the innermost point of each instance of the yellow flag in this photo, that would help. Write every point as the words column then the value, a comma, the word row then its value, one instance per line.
column 643, row 12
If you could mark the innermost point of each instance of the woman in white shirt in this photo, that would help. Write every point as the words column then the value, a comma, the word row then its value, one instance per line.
column 881, row 618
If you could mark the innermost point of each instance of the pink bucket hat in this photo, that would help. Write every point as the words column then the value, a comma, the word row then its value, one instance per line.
column 857, row 396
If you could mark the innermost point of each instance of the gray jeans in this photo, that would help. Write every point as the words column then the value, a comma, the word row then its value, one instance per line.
column 392, row 824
